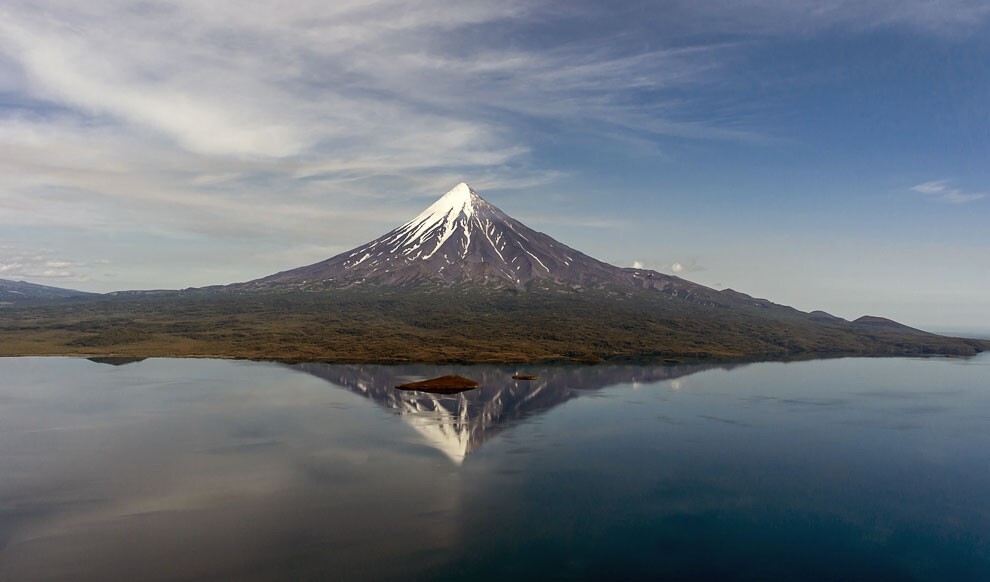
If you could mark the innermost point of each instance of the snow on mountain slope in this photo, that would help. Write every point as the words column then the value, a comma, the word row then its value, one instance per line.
column 463, row 238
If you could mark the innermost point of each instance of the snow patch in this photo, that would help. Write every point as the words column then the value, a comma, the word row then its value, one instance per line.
column 365, row 257
column 453, row 209
column 537, row 260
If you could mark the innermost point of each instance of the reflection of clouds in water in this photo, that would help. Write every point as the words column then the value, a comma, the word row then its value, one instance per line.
column 218, row 446
column 195, row 491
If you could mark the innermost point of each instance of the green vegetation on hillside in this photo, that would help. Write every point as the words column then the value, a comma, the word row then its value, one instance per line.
column 378, row 324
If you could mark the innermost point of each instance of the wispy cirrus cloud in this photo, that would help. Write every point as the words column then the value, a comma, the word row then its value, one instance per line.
column 219, row 106
column 180, row 119
column 941, row 190
column 309, row 125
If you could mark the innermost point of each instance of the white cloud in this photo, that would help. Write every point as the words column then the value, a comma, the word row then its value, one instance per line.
column 17, row 263
column 222, row 118
column 687, row 266
column 251, row 83
column 940, row 190
column 934, row 187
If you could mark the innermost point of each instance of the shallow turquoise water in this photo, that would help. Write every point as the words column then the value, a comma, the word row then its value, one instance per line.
column 199, row 469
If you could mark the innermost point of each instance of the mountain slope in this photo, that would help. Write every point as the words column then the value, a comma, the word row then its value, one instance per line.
column 882, row 323
column 462, row 241
column 461, row 282
column 19, row 291
column 462, row 238
column 378, row 323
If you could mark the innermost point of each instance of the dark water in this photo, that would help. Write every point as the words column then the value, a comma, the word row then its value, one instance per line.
column 872, row 469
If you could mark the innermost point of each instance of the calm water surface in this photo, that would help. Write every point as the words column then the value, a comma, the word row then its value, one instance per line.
column 204, row 470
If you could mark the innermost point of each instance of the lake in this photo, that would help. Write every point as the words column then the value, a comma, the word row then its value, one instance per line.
column 166, row 469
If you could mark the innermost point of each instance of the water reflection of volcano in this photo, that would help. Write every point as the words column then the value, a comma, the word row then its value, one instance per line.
column 457, row 424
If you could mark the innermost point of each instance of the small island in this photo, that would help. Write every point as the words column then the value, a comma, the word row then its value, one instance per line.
column 441, row 385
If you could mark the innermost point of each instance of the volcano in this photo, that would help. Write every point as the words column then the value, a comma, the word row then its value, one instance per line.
column 463, row 282
column 463, row 238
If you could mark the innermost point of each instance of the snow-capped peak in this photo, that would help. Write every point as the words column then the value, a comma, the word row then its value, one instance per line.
column 460, row 237
column 459, row 200
column 442, row 218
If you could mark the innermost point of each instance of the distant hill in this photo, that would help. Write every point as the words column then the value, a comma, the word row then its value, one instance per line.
column 874, row 322
column 20, row 291
column 819, row 315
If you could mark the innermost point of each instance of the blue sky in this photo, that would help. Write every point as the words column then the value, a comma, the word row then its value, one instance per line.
column 827, row 155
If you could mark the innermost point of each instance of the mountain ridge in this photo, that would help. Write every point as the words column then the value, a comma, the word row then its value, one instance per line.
column 16, row 291
column 463, row 238
column 461, row 282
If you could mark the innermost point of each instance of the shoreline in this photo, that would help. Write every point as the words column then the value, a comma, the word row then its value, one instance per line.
column 642, row 361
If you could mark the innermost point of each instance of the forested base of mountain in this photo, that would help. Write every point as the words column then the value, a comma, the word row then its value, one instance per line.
column 441, row 324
